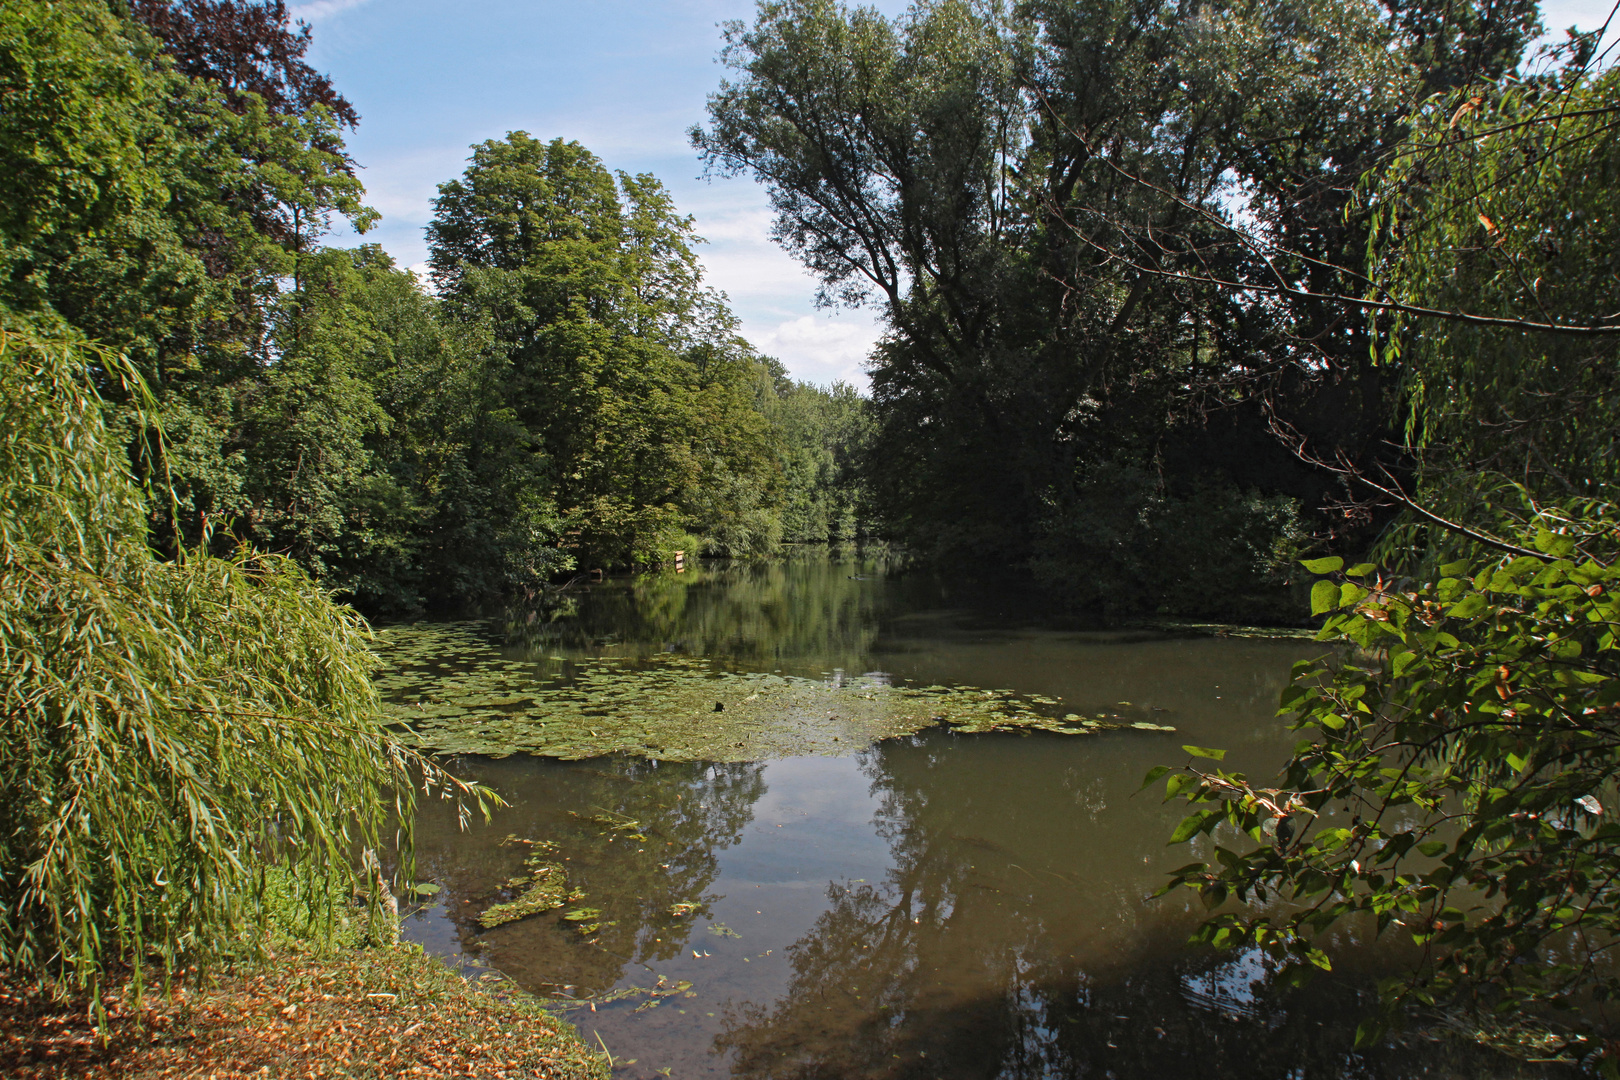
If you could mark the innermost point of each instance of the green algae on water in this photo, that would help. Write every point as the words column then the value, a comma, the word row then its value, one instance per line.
column 458, row 692
column 544, row 886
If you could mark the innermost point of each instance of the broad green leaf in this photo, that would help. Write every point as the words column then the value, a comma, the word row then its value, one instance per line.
column 1190, row 826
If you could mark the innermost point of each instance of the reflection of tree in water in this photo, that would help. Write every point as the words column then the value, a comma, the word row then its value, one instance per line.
column 596, row 812
column 810, row 610
column 943, row 971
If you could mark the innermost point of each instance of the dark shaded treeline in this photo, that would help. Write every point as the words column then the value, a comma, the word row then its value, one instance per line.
column 1038, row 198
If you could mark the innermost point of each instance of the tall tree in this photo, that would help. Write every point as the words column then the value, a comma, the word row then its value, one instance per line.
column 628, row 389
column 172, row 234
column 1040, row 200
column 245, row 47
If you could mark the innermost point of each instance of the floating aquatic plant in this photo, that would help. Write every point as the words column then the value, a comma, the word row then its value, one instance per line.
column 663, row 988
column 460, row 693
column 544, row 886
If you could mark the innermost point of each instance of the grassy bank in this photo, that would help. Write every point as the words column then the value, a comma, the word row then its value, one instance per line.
column 322, row 999
column 303, row 1012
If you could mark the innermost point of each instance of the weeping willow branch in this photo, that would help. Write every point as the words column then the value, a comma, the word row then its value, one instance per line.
column 172, row 727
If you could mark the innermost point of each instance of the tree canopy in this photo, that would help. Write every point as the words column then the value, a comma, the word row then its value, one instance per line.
column 570, row 396
column 1039, row 199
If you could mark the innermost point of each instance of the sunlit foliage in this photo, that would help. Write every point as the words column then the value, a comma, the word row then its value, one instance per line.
column 171, row 726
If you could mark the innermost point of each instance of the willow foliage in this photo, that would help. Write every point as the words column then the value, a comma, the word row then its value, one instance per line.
column 172, row 728
column 1501, row 207
column 1457, row 781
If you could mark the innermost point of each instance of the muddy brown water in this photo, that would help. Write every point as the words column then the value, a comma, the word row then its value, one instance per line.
column 939, row 905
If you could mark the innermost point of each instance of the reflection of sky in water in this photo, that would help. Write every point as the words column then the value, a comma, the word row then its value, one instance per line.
column 931, row 908
column 938, row 906
column 1230, row 987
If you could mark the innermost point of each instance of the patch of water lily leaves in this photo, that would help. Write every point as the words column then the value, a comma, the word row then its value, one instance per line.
column 459, row 692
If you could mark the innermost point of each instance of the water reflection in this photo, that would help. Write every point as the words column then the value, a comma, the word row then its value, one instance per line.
column 1012, row 937
column 794, row 614
column 941, row 906
column 641, row 839
column 935, row 906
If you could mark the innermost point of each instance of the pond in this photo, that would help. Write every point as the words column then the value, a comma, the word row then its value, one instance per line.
column 918, row 850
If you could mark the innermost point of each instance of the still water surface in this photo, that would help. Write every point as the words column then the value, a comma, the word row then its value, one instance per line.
column 940, row 905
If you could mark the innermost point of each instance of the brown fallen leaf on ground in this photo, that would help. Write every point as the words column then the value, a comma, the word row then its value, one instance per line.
column 367, row 1013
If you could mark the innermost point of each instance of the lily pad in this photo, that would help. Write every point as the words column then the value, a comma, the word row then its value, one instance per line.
column 459, row 692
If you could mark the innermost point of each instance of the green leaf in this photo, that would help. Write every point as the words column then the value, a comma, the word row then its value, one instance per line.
column 1323, row 566
column 1205, row 752
column 1361, row 569
column 1324, row 597
column 1191, row 826
column 1370, row 1031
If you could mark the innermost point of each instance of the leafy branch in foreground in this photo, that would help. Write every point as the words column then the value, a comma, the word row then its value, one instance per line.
column 1460, row 777
column 1463, row 749
column 172, row 727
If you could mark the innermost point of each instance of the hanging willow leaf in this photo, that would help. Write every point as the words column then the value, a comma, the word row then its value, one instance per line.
column 172, row 728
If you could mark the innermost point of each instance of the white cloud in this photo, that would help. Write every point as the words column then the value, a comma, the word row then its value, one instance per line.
column 1559, row 15
column 318, row 10
column 820, row 348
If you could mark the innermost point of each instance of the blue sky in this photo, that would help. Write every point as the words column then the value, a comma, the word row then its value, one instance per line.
column 626, row 79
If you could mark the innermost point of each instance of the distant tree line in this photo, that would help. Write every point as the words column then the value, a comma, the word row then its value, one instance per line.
column 567, row 395
column 1083, row 375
